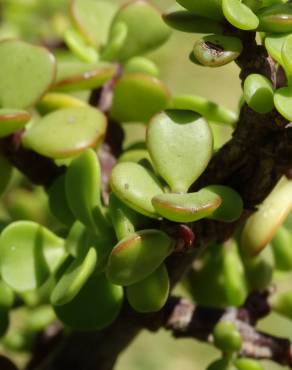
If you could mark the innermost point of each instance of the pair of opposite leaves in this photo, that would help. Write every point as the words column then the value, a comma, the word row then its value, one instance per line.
column 180, row 146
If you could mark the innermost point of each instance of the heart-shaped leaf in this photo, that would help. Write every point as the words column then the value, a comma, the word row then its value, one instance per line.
column 74, row 278
column 137, row 256
column 276, row 18
column 66, row 132
column 135, row 186
column 75, row 76
column 191, row 22
column 96, row 305
column 258, row 93
column 217, row 50
column 12, row 120
column 180, row 144
column 208, row 109
column 282, row 101
column 26, row 73
column 29, row 252
column 239, row 15
column 54, row 101
column 231, row 206
column 137, row 97
column 207, row 8
column 186, row 207
column 150, row 294
column 138, row 42
column 93, row 19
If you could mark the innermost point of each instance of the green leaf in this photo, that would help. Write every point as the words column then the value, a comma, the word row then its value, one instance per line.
column 75, row 76
column 12, row 120
column 66, row 132
column 258, row 93
column 274, row 44
column 135, row 186
column 239, row 15
column 96, row 305
column 186, row 21
column 74, row 278
column 221, row 364
column 133, row 15
column 150, row 294
column 141, row 65
column 276, row 18
column 58, row 202
column 188, row 207
column 287, row 54
column 28, row 254
column 281, row 245
column 282, row 101
column 226, row 337
column 137, row 256
column 54, row 101
column 79, row 47
column 247, row 364
column 83, row 182
column 123, row 218
column 208, row 109
column 93, row 19
column 180, row 144
column 26, row 73
column 137, row 97
column 217, row 50
column 231, row 207
column 207, row 8
column 234, row 275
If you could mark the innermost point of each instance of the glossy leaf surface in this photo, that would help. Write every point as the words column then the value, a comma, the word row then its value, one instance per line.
column 137, row 256
column 180, row 144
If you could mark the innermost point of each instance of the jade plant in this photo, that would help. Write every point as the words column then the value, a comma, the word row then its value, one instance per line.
column 96, row 233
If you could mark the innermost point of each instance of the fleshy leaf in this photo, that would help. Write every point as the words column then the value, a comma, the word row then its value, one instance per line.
column 282, row 100
column 239, row 15
column 29, row 253
column 74, row 278
column 217, row 50
column 207, row 8
column 135, row 185
column 26, row 73
column 277, row 18
column 258, row 93
column 66, row 132
column 137, row 256
column 208, row 109
column 137, row 97
column 186, row 21
column 133, row 15
column 180, row 144
column 75, row 76
column 188, row 207
column 96, row 305
column 12, row 120
column 150, row 294
column 93, row 19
